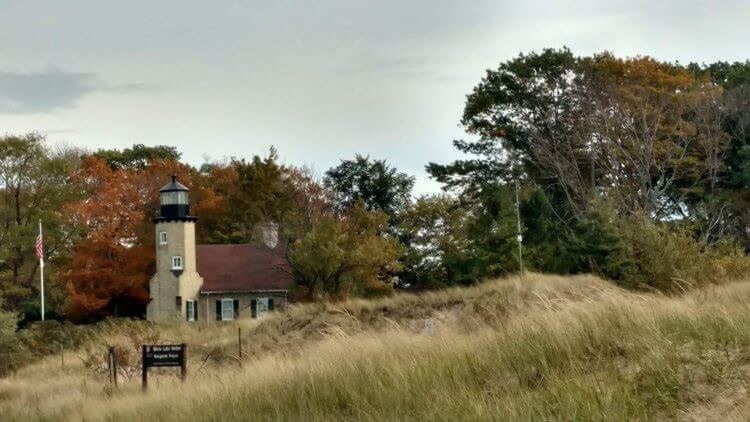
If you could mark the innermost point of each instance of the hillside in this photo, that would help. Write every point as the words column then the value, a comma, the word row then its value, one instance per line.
column 542, row 347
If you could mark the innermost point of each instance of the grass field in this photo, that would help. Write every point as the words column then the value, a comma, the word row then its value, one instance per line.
column 541, row 347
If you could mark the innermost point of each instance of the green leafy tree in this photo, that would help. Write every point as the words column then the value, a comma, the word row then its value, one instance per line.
column 639, row 135
column 644, row 134
column 379, row 186
column 347, row 256
column 34, row 185
column 529, row 100
column 437, row 256
column 255, row 192
column 730, row 202
column 492, row 233
column 138, row 156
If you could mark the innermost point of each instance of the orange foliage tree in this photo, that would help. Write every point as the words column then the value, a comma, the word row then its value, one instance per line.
column 110, row 268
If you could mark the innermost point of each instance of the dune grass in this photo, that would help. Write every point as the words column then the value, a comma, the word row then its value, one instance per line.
column 540, row 348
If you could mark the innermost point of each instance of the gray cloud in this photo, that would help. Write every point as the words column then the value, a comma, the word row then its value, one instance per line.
column 49, row 90
column 54, row 89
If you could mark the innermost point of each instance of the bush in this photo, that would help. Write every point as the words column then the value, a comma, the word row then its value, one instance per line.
column 10, row 347
column 668, row 258
column 40, row 339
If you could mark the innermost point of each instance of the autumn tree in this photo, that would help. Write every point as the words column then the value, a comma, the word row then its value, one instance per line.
column 111, row 266
column 109, row 271
column 643, row 133
column 206, row 201
column 649, row 151
column 594, row 140
column 311, row 202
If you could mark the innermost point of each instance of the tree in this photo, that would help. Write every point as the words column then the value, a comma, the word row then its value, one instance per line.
column 379, row 186
column 492, row 233
column 644, row 134
column 438, row 252
column 111, row 266
column 310, row 203
column 138, row 157
column 112, row 263
column 107, row 279
column 351, row 255
column 529, row 100
column 650, row 151
column 595, row 140
column 726, row 214
column 256, row 192
column 34, row 184
column 208, row 204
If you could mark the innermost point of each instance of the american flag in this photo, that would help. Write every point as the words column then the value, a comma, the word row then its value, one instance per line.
column 39, row 247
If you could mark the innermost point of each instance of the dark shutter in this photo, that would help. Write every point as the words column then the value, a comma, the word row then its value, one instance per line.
column 254, row 308
column 270, row 304
column 236, row 309
column 195, row 308
column 218, row 309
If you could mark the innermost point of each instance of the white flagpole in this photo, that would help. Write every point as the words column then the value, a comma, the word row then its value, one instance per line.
column 41, row 268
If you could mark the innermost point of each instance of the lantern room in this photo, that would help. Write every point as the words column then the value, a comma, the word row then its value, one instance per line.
column 175, row 205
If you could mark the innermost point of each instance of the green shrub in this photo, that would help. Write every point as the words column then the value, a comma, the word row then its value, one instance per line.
column 10, row 347
column 667, row 257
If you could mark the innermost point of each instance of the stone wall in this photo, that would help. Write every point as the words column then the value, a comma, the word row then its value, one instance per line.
column 167, row 285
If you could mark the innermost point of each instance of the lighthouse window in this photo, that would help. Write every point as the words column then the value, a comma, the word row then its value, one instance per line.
column 163, row 238
column 176, row 262
column 174, row 198
column 192, row 310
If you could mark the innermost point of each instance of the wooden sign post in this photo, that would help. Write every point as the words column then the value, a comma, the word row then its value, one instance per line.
column 112, row 364
column 239, row 345
column 163, row 356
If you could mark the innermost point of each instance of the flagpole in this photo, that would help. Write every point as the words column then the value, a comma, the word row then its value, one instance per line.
column 41, row 269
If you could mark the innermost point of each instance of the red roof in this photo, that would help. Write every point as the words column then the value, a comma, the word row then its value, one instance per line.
column 242, row 268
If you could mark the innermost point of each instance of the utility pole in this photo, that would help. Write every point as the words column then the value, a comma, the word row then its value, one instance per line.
column 40, row 254
column 519, row 237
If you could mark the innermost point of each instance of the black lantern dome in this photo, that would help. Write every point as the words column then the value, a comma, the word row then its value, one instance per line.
column 175, row 205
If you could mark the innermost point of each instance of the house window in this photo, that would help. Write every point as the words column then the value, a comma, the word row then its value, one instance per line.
column 176, row 262
column 191, row 310
column 227, row 309
column 162, row 238
column 259, row 307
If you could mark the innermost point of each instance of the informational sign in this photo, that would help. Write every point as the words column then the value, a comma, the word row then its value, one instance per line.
column 163, row 356
column 262, row 307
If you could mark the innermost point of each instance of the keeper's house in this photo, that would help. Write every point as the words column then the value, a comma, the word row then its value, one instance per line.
column 208, row 283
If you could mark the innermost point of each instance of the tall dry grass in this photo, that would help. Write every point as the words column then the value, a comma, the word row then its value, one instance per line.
column 533, row 349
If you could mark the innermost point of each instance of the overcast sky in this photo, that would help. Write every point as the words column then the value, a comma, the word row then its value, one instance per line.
column 321, row 80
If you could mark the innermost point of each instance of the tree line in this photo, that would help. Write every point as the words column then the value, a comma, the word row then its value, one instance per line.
column 631, row 168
